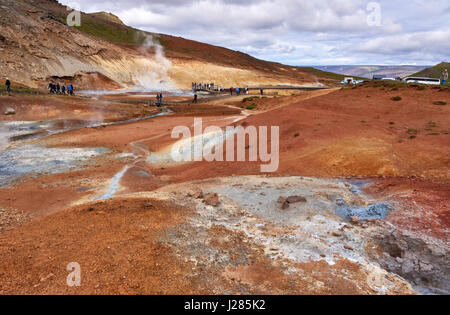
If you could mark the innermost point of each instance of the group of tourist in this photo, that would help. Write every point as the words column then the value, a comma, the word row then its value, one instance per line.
column 60, row 89
column 202, row 86
column 159, row 99
column 238, row 91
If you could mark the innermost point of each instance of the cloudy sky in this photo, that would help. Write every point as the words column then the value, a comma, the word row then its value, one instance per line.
column 299, row 32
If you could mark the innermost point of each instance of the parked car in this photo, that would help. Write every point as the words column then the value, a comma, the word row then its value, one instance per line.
column 351, row 81
column 388, row 79
column 378, row 77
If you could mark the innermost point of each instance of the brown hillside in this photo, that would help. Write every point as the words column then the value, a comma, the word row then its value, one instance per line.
column 37, row 45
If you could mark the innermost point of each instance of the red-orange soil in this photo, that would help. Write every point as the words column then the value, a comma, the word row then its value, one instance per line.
column 124, row 247
column 46, row 107
column 355, row 132
column 124, row 244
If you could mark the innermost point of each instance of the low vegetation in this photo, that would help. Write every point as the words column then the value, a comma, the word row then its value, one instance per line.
column 413, row 133
column 18, row 89
column 249, row 99
column 111, row 32
column 431, row 124
column 396, row 98
column 393, row 85
column 433, row 72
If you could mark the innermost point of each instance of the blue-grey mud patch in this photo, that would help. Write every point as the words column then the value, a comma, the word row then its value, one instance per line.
column 37, row 160
column 379, row 210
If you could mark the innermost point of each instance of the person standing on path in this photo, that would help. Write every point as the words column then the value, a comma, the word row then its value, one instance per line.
column 444, row 77
column 8, row 85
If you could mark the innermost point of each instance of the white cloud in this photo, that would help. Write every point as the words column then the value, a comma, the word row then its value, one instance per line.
column 298, row 31
column 437, row 42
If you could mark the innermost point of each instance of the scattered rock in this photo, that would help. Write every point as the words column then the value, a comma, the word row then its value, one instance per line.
column 281, row 199
column 287, row 201
column 424, row 263
column 149, row 205
column 424, row 267
column 355, row 220
column 211, row 199
column 336, row 234
column 10, row 111
column 196, row 193
column 348, row 247
column 50, row 276
column 295, row 199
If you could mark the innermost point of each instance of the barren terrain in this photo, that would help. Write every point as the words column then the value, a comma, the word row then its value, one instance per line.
column 107, row 196
column 359, row 202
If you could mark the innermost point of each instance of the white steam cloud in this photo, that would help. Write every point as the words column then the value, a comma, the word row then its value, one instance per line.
column 4, row 138
column 151, row 74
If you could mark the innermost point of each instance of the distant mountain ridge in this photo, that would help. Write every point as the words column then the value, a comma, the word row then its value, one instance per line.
column 368, row 71
column 435, row 71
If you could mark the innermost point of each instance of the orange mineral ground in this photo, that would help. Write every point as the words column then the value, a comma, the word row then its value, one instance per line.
column 139, row 223
column 359, row 202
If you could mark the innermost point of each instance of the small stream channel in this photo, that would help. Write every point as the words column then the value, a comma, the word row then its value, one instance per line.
column 19, row 156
